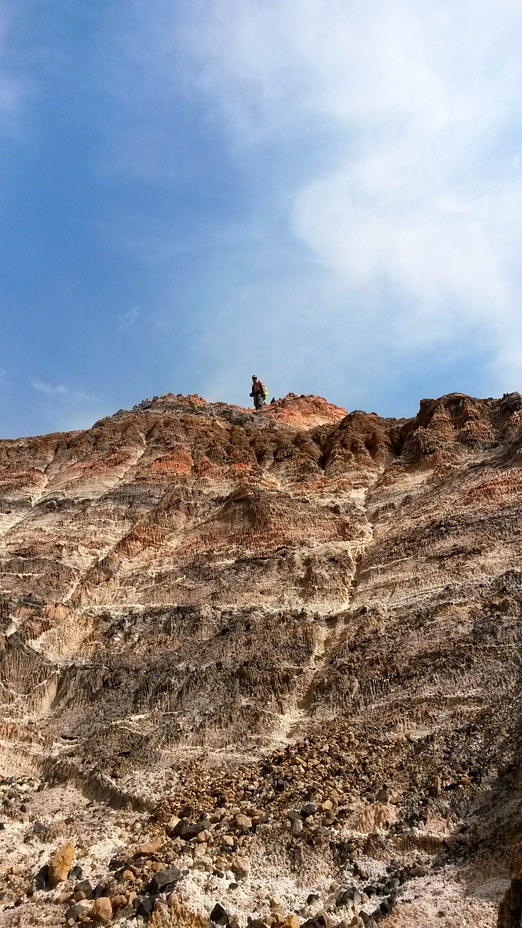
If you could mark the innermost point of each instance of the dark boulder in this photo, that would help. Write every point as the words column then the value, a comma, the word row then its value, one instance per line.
column 219, row 915
column 164, row 880
column 187, row 830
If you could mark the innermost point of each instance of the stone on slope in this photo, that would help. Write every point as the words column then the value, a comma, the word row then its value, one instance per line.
column 219, row 915
column 101, row 910
column 165, row 880
column 60, row 864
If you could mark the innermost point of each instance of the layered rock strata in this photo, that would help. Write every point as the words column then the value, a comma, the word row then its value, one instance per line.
column 209, row 612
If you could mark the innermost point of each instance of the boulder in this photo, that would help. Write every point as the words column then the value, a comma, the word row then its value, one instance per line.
column 219, row 915
column 243, row 821
column 73, row 913
column 240, row 867
column 148, row 849
column 42, row 877
column 146, row 906
column 292, row 921
column 165, row 880
column 60, row 864
column 188, row 830
column 102, row 910
column 308, row 810
column 85, row 888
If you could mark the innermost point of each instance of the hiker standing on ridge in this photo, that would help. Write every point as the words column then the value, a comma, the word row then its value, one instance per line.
column 259, row 392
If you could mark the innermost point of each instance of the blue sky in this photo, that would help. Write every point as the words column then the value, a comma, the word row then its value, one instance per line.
column 327, row 193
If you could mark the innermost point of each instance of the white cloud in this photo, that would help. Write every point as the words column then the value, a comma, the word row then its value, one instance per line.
column 66, row 408
column 128, row 319
column 423, row 195
column 62, row 393
column 49, row 390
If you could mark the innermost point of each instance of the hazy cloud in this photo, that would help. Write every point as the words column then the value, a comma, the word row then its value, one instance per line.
column 422, row 201
column 128, row 319
column 327, row 192
column 67, row 408
column 62, row 392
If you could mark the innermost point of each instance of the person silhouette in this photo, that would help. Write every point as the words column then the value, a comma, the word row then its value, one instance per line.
column 258, row 392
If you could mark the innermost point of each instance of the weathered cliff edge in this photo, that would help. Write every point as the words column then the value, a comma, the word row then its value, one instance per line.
column 206, row 610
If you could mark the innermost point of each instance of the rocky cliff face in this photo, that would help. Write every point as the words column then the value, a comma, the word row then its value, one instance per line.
column 301, row 617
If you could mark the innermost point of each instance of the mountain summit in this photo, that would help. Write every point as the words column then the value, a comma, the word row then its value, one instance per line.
column 273, row 655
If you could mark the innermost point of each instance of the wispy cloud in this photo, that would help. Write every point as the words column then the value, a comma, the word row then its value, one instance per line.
column 421, row 204
column 62, row 393
column 65, row 407
column 128, row 319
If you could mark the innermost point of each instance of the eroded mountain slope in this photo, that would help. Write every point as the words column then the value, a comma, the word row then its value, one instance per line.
column 205, row 608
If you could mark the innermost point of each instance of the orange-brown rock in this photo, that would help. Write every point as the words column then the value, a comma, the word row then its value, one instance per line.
column 61, row 863
column 151, row 847
column 101, row 910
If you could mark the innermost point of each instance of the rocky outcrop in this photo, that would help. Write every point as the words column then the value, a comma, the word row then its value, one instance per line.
column 206, row 608
column 510, row 913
